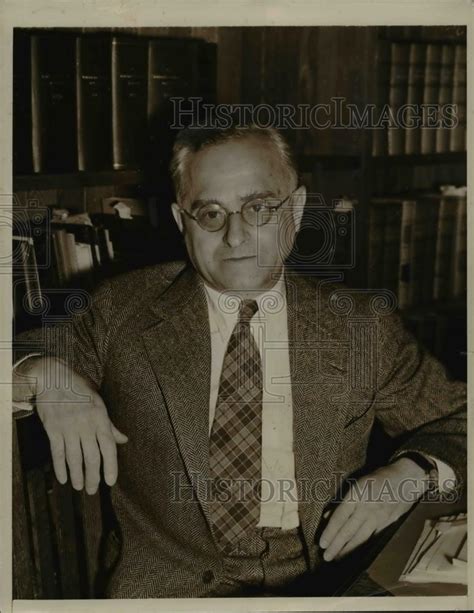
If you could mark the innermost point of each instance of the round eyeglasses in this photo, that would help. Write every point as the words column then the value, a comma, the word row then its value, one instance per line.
column 212, row 217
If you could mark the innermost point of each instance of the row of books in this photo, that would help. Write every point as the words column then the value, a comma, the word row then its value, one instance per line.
column 59, row 252
column 100, row 101
column 417, row 246
column 421, row 96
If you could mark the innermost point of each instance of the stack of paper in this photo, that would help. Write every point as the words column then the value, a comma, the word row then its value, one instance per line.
column 440, row 555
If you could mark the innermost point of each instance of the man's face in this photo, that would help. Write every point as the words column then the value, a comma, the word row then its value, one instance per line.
column 239, row 257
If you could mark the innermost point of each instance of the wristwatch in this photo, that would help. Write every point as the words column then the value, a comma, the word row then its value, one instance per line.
column 423, row 462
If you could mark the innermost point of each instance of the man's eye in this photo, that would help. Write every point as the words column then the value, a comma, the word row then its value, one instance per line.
column 211, row 214
column 258, row 206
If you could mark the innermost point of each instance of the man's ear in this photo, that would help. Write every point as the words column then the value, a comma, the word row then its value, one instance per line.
column 298, row 203
column 177, row 216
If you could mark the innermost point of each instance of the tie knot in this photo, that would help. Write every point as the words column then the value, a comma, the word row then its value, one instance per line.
column 248, row 308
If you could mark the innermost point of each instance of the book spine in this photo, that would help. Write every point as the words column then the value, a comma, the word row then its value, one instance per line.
column 397, row 96
column 58, row 258
column 129, row 102
column 444, row 249
column 71, row 255
column 430, row 97
column 172, row 72
column 391, row 261
column 457, row 141
column 431, row 212
column 207, row 71
column 53, row 103
column 445, row 94
column 376, row 245
column 416, row 75
column 406, row 233
column 36, row 133
column 379, row 134
column 94, row 104
column 22, row 121
column 460, row 250
column 417, row 259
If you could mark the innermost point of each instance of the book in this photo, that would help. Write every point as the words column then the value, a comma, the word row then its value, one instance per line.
column 84, row 257
column 459, row 269
column 406, row 236
column 445, row 94
column 440, row 554
column 416, row 76
column 430, row 97
column 22, row 121
column 84, row 235
column 26, row 285
column 207, row 71
column 94, row 102
column 392, row 233
column 53, row 102
column 384, row 257
column 173, row 72
column 65, row 247
column 397, row 96
column 430, row 228
column 382, row 84
column 444, row 246
column 376, row 243
column 457, row 141
column 129, row 101
column 423, row 244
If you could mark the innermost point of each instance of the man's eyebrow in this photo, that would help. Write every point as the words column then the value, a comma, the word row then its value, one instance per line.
column 197, row 203
column 250, row 196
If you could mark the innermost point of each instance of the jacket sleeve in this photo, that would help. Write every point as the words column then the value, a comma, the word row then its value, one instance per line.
column 80, row 339
column 416, row 398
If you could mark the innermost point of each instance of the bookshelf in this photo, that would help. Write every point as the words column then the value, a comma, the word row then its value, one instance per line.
column 78, row 179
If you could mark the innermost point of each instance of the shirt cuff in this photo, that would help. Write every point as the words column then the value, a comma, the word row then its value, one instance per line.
column 446, row 475
column 20, row 408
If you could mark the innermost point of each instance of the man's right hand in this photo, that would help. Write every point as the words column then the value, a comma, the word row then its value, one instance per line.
column 75, row 419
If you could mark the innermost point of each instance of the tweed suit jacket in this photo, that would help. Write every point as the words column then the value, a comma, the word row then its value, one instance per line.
column 144, row 343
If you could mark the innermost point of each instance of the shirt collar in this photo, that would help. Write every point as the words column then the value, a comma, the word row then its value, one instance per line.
column 224, row 306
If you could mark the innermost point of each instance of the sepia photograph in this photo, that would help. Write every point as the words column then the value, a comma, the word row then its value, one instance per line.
column 238, row 259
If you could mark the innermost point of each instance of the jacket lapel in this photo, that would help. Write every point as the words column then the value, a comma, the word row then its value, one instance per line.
column 318, row 410
column 179, row 349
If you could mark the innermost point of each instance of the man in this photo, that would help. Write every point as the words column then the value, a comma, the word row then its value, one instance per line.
column 244, row 392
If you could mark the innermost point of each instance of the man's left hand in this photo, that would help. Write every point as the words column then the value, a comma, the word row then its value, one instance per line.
column 372, row 503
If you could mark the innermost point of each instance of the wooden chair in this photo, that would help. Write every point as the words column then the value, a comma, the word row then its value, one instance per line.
column 58, row 533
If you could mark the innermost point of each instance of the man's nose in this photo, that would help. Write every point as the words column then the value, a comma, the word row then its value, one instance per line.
column 236, row 232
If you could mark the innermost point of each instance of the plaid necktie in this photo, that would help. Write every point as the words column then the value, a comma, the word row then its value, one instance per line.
column 236, row 437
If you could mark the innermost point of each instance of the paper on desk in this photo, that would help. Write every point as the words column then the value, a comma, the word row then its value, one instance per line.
column 440, row 554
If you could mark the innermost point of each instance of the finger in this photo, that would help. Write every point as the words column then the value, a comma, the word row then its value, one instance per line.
column 74, row 460
column 90, row 451
column 118, row 436
column 339, row 517
column 345, row 534
column 362, row 535
column 58, row 455
column 108, row 448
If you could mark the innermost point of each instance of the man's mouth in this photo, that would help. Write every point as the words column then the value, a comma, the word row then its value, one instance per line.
column 239, row 258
